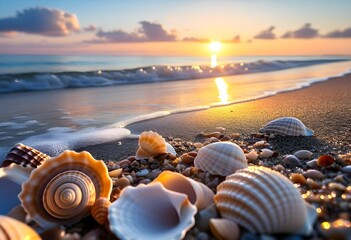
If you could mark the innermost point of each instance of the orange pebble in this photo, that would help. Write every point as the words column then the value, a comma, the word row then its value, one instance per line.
column 325, row 161
column 297, row 178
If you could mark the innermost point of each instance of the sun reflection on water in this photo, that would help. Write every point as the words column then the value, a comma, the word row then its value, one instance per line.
column 222, row 90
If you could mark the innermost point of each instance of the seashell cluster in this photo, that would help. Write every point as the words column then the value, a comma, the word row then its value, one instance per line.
column 12, row 229
column 64, row 188
column 220, row 158
column 264, row 201
column 288, row 126
column 151, row 212
column 151, row 144
column 24, row 155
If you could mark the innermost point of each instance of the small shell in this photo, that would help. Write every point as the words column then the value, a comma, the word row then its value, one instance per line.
column 289, row 126
column 25, row 156
column 12, row 229
column 64, row 188
column 151, row 212
column 221, row 158
column 99, row 210
column 224, row 229
column 266, row 153
column 151, row 144
column 303, row 154
column 264, row 201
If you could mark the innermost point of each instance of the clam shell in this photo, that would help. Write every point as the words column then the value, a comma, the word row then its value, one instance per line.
column 64, row 188
column 289, row 126
column 220, row 158
column 99, row 210
column 25, row 156
column 198, row 193
column 151, row 212
column 151, row 144
column 12, row 229
column 264, row 201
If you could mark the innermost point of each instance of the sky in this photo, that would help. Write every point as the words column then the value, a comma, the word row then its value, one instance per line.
column 175, row 28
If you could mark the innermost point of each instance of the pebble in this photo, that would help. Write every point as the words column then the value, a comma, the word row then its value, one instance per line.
column 312, row 184
column 202, row 236
column 142, row 173
column 94, row 234
column 116, row 173
column 124, row 162
column 312, row 163
column 325, row 161
column 203, row 217
column 55, row 233
column 298, row 178
column 154, row 174
column 187, row 159
column 235, row 135
column 279, row 167
column 110, row 163
column 336, row 186
column 347, row 169
column 121, row 182
column 220, row 129
column 291, row 160
column 303, row 154
column 198, row 145
column 260, row 144
column 145, row 181
column 314, row 174
column 226, row 138
column 266, row 153
column 252, row 155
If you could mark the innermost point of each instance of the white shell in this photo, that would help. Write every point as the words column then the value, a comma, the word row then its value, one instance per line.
column 303, row 154
column 266, row 153
column 151, row 212
column 264, row 201
column 198, row 193
column 151, row 144
column 12, row 229
column 220, row 158
column 289, row 126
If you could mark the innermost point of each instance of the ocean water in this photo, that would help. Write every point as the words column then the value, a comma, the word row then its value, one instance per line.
column 55, row 103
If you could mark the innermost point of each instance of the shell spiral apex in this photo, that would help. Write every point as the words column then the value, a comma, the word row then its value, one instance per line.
column 288, row 126
column 64, row 189
column 151, row 144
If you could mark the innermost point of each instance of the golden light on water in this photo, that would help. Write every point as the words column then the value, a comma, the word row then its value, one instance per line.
column 215, row 47
column 222, row 90
column 214, row 60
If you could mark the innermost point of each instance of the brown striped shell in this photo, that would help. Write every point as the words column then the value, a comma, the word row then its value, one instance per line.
column 151, row 144
column 12, row 229
column 99, row 210
column 64, row 189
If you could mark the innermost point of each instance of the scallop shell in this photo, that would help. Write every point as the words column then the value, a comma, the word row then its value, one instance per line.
column 12, row 229
column 25, row 156
column 264, row 201
column 64, row 188
column 220, row 158
column 198, row 193
column 99, row 210
column 151, row 144
column 289, row 126
column 151, row 212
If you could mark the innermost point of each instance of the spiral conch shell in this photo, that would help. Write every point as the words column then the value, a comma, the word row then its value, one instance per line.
column 12, row 229
column 289, row 126
column 264, row 201
column 151, row 212
column 64, row 188
column 151, row 144
column 198, row 193
column 220, row 158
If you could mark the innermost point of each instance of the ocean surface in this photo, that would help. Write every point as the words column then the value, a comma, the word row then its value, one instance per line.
column 54, row 103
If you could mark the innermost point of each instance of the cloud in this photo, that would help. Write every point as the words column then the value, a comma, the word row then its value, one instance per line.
column 339, row 34
column 266, row 34
column 193, row 39
column 304, row 32
column 42, row 21
column 148, row 32
column 235, row 39
column 90, row 28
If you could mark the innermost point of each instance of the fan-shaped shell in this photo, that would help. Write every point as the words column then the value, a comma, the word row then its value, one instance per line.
column 100, row 210
column 151, row 212
column 289, row 126
column 220, row 158
column 64, row 188
column 151, row 144
column 25, row 156
column 264, row 201
column 198, row 193
column 12, row 229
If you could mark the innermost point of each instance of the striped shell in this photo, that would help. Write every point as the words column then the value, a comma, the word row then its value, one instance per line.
column 151, row 212
column 220, row 158
column 151, row 144
column 25, row 156
column 99, row 210
column 64, row 188
column 264, row 201
column 12, row 229
column 289, row 126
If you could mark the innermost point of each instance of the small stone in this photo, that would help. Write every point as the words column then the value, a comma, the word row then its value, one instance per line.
column 187, row 172
column 252, row 155
column 144, row 161
column 94, row 234
column 154, row 173
column 203, row 217
column 187, row 159
column 213, row 139
column 213, row 134
column 312, row 184
column 220, row 129
column 116, row 173
column 303, row 154
column 110, row 163
column 145, row 181
column 298, row 178
column 121, row 182
column 336, row 186
column 55, row 233
column 347, row 169
column 291, row 160
column 266, row 153
column 130, row 178
column 198, row 145
column 142, row 173
column 279, row 167
column 202, row 236
column 225, row 138
column 325, row 161
column 312, row 163
column 124, row 162
column 314, row 174
column 260, row 144
column 235, row 135
column 339, row 178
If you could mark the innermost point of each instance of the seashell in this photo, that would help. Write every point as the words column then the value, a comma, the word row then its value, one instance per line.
column 266, row 153
column 289, row 126
column 221, row 158
column 291, row 160
column 24, row 155
column 325, row 161
column 303, row 154
column 264, row 201
column 224, row 229
column 252, row 155
column 151, row 144
column 99, row 210
column 170, row 149
column 12, row 229
column 64, row 188
column 151, row 212
column 198, row 193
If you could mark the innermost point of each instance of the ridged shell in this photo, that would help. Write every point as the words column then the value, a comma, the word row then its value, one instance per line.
column 289, row 126
column 220, row 158
column 64, row 188
column 12, row 229
column 264, row 201
column 151, row 212
column 99, row 210
column 198, row 193
column 151, row 144
column 25, row 156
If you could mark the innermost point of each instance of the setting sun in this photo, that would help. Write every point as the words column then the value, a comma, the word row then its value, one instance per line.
column 215, row 46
